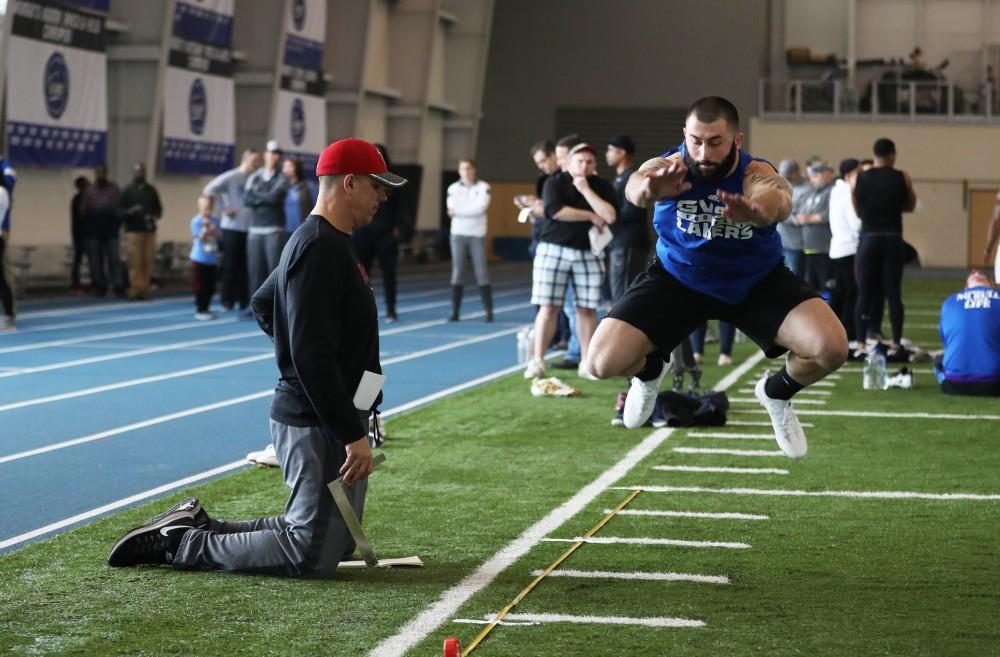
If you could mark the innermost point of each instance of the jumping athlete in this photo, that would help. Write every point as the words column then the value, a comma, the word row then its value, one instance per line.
column 718, row 256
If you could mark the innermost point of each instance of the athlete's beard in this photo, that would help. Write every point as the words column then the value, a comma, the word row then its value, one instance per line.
column 713, row 174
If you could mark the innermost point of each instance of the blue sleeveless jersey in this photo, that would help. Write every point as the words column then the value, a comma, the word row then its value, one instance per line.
column 706, row 251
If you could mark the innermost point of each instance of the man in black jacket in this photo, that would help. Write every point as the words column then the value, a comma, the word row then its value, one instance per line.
column 141, row 209
column 320, row 311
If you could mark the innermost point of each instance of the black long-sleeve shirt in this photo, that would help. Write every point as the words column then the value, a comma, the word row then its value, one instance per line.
column 319, row 310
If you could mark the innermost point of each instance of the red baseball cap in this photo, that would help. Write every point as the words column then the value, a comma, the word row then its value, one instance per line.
column 358, row 157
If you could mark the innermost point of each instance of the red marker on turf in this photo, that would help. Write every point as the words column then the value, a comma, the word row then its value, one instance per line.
column 452, row 647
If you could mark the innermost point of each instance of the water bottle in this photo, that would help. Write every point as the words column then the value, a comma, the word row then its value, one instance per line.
column 875, row 377
column 524, row 344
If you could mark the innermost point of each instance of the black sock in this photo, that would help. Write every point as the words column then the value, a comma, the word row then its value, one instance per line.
column 652, row 368
column 781, row 386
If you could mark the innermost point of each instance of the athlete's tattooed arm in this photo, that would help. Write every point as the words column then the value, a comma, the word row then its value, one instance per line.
column 657, row 179
column 766, row 198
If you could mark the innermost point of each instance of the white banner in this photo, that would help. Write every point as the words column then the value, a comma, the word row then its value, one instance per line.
column 299, row 119
column 57, row 110
column 199, row 108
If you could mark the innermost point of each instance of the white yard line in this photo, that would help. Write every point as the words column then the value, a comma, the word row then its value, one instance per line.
column 648, row 577
column 703, row 515
column 872, row 495
column 796, row 401
column 631, row 540
column 822, row 393
column 926, row 416
column 722, row 470
column 754, row 423
column 537, row 619
column 916, row 370
column 451, row 600
column 728, row 452
column 733, row 436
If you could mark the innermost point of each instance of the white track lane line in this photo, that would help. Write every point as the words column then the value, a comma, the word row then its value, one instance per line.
column 923, row 416
column 631, row 540
column 732, row 436
column 720, row 469
column 180, row 483
column 229, row 402
column 537, row 619
column 649, row 577
column 703, row 515
column 97, row 308
column 100, row 322
column 111, row 336
column 858, row 494
column 727, row 452
column 452, row 599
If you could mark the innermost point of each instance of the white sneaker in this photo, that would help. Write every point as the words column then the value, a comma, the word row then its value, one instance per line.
column 641, row 399
column 902, row 379
column 204, row 317
column 584, row 372
column 266, row 458
column 787, row 428
column 535, row 369
column 8, row 324
column 725, row 360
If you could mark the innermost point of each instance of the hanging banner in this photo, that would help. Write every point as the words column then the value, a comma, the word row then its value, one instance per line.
column 299, row 119
column 57, row 100
column 199, row 108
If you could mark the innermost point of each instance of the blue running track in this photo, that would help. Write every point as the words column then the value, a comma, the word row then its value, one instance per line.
column 104, row 404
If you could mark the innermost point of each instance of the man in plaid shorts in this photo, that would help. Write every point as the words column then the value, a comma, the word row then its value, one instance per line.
column 575, row 200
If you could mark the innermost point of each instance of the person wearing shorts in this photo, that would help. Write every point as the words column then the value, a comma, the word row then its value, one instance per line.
column 575, row 200
column 718, row 256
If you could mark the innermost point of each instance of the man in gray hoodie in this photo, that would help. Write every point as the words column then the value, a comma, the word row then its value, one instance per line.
column 791, row 232
column 265, row 196
column 814, row 217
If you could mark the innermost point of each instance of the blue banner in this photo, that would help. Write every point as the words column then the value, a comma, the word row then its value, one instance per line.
column 196, row 157
column 34, row 144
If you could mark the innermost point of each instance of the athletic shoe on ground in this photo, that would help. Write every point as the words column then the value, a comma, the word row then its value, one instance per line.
column 901, row 379
column 535, row 369
column 787, row 428
column 8, row 324
column 204, row 317
column 641, row 400
column 584, row 372
column 725, row 360
column 265, row 458
column 657, row 419
column 391, row 318
column 148, row 545
column 189, row 509
column 617, row 420
column 566, row 364
column 552, row 387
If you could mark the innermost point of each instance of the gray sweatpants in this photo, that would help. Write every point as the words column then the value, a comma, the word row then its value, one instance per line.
column 310, row 539
column 263, row 254
column 463, row 246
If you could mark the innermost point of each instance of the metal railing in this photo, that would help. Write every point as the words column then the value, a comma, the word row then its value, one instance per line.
column 931, row 101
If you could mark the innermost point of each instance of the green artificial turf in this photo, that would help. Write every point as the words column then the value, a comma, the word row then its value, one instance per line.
column 467, row 475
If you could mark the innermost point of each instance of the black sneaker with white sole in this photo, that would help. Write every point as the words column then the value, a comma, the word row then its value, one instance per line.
column 189, row 508
column 149, row 545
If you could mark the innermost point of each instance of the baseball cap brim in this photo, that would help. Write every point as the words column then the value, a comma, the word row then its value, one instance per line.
column 389, row 179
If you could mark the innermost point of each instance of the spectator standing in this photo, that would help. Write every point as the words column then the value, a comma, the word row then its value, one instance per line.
column 881, row 196
column 970, row 332
column 206, row 231
column 727, row 335
column 467, row 203
column 141, row 209
column 543, row 154
column 379, row 242
column 229, row 190
column 299, row 201
column 266, row 189
column 7, row 301
column 102, row 219
column 845, row 229
column 566, row 323
column 78, row 232
column 575, row 200
column 789, row 230
column 815, row 222
column 628, row 251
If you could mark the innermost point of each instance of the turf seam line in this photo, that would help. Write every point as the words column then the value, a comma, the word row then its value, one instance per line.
column 721, row 470
column 879, row 495
column 538, row 619
column 643, row 576
column 705, row 515
column 728, row 452
column 886, row 414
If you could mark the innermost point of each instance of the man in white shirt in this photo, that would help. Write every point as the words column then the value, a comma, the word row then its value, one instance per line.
column 845, row 227
column 468, row 201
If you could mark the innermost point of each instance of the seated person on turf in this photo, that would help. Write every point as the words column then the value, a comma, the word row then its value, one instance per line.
column 970, row 332
column 718, row 256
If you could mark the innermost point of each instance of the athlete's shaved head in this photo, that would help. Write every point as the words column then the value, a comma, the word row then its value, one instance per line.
column 712, row 108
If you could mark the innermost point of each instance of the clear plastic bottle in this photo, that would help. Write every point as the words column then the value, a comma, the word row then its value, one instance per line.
column 875, row 376
column 524, row 344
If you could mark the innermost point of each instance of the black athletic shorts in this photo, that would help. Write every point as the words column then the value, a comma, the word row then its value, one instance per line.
column 668, row 311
